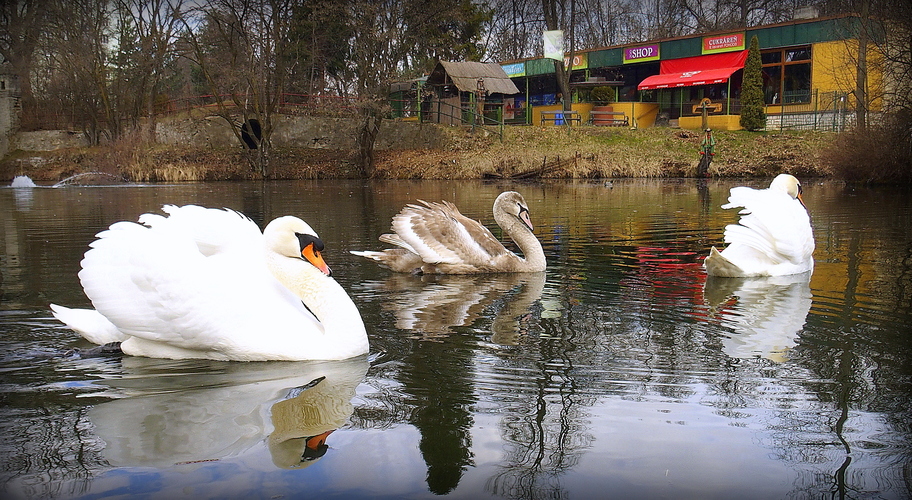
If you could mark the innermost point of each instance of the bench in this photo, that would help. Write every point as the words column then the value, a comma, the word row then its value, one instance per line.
column 609, row 118
column 565, row 116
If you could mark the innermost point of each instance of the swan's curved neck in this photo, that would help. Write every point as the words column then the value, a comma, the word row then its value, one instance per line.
column 533, row 254
column 322, row 295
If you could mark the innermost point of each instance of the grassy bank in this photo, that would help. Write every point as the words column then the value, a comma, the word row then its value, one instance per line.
column 548, row 152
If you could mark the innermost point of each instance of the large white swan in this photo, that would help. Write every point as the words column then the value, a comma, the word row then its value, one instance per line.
column 206, row 283
column 437, row 239
column 773, row 237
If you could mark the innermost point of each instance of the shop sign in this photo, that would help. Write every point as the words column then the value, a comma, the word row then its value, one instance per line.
column 580, row 61
column 642, row 53
column 515, row 69
column 723, row 43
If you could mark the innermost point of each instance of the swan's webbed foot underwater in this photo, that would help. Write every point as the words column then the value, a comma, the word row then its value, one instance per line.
column 100, row 351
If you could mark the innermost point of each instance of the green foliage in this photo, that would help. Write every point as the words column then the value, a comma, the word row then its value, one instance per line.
column 753, row 116
column 602, row 95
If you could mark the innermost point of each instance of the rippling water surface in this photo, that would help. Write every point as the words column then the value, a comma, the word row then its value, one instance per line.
column 620, row 372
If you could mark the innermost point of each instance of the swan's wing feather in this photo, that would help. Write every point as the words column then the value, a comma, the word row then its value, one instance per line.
column 441, row 235
column 213, row 230
column 772, row 223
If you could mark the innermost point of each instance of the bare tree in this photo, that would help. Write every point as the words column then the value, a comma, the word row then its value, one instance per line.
column 240, row 47
column 21, row 23
column 557, row 16
column 152, row 26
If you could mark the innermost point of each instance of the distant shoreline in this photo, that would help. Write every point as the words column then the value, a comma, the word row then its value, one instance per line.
column 525, row 152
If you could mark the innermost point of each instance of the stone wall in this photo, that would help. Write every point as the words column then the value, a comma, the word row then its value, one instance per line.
column 290, row 131
column 47, row 140
column 300, row 132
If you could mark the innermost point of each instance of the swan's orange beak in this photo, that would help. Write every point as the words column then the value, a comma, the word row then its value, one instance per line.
column 315, row 442
column 801, row 200
column 313, row 256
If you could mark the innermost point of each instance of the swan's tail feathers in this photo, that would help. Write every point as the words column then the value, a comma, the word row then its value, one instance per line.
column 378, row 256
column 395, row 259
column 89, row 323
column 717, row 265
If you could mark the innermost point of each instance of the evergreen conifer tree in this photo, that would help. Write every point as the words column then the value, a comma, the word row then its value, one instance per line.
column 752, row 115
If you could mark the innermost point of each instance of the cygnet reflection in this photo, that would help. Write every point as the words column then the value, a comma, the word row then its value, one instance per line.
column 765, row 314
column 432, row 305
column 195, row 411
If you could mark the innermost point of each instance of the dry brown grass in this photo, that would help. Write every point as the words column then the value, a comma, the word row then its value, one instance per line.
column 548, row 152
column 596, row 152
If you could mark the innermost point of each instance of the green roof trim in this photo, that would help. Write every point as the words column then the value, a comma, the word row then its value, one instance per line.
column 773, row 36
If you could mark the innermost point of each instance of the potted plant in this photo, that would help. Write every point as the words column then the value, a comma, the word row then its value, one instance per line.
column 601, row 97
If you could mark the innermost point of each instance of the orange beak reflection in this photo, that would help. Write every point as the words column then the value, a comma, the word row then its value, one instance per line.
column 313, row 256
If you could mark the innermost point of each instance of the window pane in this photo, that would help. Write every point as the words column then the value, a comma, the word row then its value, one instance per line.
column 771, row 57
column 772, row 83
column 796, row 83
column 802, row 54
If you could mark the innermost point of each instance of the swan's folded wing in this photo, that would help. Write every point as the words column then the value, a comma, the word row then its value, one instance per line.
column 771, row 223
column 440, row 234
column 213, row 230
column 158, row 286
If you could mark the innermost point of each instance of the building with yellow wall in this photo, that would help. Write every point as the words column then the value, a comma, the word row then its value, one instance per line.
column 809, row 68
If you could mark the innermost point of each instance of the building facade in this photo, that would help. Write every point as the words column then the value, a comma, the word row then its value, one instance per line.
column 809, row 75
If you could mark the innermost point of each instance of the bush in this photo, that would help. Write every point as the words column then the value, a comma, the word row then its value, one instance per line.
column 602, row 96
column 752, row 115
column 882, row 153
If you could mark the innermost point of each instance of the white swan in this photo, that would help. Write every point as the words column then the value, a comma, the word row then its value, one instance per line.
column 205, row 283
column 773, row 237
column 437, row 239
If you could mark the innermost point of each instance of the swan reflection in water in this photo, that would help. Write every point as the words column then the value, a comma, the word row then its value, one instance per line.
column 765, row 314
column 432, row 305
column 231, row 407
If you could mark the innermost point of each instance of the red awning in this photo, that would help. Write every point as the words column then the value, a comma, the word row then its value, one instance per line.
column 699, row 70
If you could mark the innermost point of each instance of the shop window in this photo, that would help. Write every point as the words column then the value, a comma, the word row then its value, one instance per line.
column 787, row 75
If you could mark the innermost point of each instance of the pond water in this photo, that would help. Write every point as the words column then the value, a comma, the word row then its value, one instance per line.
column 619, row 372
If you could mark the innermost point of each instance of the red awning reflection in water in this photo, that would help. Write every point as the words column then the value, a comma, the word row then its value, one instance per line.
column 699, row 70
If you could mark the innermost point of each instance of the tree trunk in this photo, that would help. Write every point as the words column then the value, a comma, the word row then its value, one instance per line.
column 370, row 127
column 861, row 74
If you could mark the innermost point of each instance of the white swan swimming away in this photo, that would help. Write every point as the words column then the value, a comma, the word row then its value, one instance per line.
column 437, row 239
column 773, row 237
column 206, row 283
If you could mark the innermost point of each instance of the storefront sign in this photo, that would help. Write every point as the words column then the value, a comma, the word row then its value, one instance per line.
column 723, row 43
column 515, row 69
column 641, row 54
column 580, row 61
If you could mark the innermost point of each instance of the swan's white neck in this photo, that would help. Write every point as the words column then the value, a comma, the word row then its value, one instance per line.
column 325, row 298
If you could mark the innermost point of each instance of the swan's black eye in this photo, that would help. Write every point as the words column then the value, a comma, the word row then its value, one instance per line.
column 307, row 239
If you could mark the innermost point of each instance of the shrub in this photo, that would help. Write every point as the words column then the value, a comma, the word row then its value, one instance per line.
column 602, row 96
column 752, row 115
column 882, row 153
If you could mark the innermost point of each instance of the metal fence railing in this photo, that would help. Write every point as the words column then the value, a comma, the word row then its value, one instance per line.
column 812, row 110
